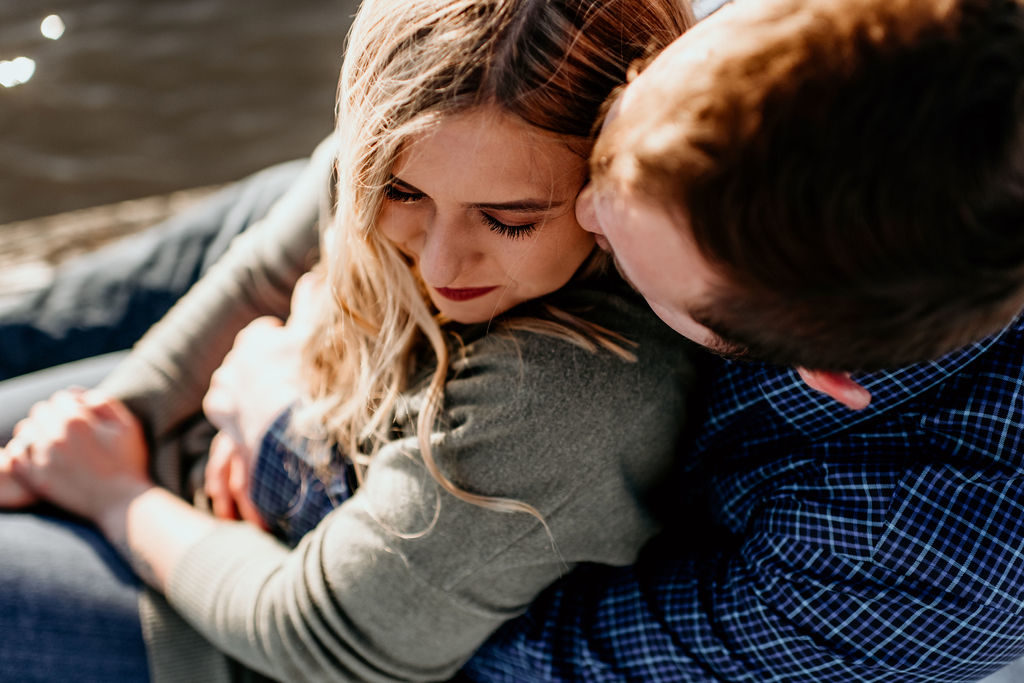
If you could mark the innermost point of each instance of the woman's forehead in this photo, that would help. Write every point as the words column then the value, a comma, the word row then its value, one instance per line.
column 490, row 152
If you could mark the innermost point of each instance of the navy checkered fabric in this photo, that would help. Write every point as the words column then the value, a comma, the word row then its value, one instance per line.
column 290, row 492
column 813, row 543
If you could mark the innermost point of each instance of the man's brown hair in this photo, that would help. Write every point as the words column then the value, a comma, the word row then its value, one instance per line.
column 853, row 169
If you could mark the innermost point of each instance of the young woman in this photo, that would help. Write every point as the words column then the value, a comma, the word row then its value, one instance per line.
column 505, row 404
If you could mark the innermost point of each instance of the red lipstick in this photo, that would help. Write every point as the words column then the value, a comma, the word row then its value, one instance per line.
column 464, row 294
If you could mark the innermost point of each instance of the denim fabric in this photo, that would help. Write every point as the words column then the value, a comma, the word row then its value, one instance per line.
column 104, row 301
column 71, row 332
column 68, row 604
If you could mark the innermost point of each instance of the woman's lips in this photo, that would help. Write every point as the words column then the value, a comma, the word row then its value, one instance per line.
column 463, row 294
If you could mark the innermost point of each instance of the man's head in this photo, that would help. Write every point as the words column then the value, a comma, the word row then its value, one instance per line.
column 832, row 184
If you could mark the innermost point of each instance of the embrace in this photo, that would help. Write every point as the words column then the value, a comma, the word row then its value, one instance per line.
column 597, row 343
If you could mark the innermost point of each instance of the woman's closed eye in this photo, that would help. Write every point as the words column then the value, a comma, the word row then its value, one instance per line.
column 397, row 191
column 513, row 232
column 394, row 194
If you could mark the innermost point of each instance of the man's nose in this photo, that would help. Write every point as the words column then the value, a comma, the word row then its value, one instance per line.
column 586, row 214
column 446, row 249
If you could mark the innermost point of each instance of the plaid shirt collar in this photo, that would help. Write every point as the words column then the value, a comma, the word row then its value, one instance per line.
column 818, row 416
column 739, row 385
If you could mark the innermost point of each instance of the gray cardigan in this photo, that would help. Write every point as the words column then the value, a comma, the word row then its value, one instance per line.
column 404, row 581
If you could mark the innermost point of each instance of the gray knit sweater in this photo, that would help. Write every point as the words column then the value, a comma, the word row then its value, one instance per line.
column 404, row 581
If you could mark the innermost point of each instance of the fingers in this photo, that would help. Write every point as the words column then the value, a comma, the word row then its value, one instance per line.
column 21, row 430
column 103, row 406
column 49, row 423
column 218, row 471
column 238, row 483
column 255, row 329
column 219, row 403
column 24, row 466
column 79, row 451
column 227, row 482
column 13, row 494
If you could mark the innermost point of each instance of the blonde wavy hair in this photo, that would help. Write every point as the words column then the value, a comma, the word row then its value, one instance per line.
column 409, row 64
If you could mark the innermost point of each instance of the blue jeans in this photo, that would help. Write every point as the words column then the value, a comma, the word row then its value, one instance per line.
column 68, row 604
column 99, row 304
column 104, row 301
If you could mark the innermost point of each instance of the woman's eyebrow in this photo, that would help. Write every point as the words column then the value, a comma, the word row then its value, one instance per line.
column 395, row 180
column 523, row 205
column 520, row 205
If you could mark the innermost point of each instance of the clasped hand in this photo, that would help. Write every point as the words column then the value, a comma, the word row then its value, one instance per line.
column 80, row 450
column 256, row 381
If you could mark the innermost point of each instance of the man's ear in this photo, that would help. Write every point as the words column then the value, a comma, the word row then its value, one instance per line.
column 838, row 385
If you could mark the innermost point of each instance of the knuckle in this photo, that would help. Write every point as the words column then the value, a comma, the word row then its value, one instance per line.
column 76, row 427
column 237, row 485
column 20, row 426
column 213, row 486
column 37, row 410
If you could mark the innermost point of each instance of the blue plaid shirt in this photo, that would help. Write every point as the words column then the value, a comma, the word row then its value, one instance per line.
column 291, row 491
column 819, row 544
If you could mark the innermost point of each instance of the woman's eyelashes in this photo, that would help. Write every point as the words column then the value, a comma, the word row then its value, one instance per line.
column 394, row 194
column 514, row 232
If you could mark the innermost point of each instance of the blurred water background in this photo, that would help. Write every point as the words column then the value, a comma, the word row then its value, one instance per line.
column 143, row 97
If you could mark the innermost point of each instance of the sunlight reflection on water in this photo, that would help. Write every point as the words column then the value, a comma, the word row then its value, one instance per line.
column 108, row 100
column 16, row 71
column 52, row 27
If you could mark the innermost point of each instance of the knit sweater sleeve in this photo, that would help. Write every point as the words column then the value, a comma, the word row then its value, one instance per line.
column 404, row 581
column 164, row 378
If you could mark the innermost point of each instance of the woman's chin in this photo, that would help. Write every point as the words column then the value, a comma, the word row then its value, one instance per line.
column 465, row 318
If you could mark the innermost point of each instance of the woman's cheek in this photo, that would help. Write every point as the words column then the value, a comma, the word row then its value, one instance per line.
column 391, row 224
column 399, row 223
column 575, row 242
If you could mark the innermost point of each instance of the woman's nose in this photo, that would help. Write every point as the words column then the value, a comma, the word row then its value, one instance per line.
column 447, row 248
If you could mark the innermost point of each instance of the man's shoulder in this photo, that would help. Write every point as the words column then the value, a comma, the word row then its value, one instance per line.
column 761, row 401
column 938, row 424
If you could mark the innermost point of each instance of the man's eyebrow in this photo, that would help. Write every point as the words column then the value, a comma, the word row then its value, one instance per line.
column 520, row 205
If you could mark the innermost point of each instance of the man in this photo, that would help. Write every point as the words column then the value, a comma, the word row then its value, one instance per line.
column 835, row 187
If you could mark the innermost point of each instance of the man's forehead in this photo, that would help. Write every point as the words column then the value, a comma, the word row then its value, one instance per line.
column 650, row 109
column 684, row 58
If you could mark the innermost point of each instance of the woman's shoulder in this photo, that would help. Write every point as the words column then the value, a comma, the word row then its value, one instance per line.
column 625, row 380
column 598, row 325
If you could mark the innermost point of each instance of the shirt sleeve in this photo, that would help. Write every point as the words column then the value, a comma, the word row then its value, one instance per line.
column 933, row 596
column 403, row 581
column 164, row 378
column 290, row 490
